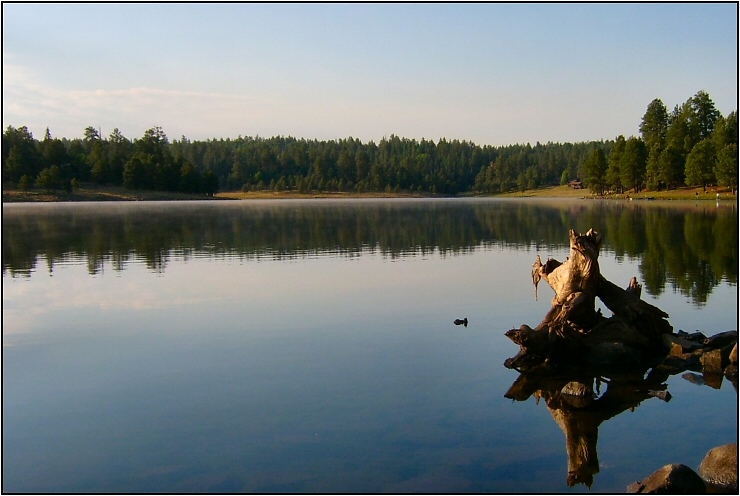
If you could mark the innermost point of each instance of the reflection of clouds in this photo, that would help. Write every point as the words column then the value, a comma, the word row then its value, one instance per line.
column 31, row 304
column 261, row 293
column 199, row 293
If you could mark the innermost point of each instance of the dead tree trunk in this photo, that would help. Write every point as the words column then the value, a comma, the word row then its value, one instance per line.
column 573, row 328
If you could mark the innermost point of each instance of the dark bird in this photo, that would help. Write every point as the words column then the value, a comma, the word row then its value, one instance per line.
column 462, row 322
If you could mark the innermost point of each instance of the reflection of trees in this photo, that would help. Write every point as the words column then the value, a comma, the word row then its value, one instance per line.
column 691, row 248
column 580, row 416
column 693, row 251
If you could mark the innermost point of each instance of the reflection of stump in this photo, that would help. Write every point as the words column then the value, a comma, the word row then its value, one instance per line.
column 581, row 436
column 572, row 401
column 573, row 327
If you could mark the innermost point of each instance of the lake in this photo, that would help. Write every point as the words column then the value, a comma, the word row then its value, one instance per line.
column 309, row 345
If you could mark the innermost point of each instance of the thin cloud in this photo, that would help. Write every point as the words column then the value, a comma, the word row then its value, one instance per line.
column 28, row 102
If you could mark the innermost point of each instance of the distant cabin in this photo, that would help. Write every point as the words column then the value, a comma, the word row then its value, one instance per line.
column 576, row 184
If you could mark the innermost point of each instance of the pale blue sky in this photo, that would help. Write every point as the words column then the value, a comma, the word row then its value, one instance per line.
column 493, row 74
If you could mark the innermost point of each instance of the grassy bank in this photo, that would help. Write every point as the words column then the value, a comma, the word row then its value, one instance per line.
column 113, row 193
column 687, row 193
column 260, row 195
column 95, row 193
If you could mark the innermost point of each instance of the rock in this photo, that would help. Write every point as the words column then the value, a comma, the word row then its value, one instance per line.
column 671, row 479
column 721, row 339
column 576, row 388
column 634, row 488
column 696, row 336
column 714, row 361
column 675, row 349
column 713, row 380
column 615, row 354
column 577, row 394
column 672, row 340
column 694, row 378
column 677, row 364
column 719, row 468
column 731, row 372
column 662, row 395
column 733, row 355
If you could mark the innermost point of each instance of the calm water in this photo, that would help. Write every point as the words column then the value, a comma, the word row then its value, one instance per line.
column 309, row 346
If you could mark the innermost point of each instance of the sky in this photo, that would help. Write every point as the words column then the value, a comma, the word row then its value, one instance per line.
column 494, row 74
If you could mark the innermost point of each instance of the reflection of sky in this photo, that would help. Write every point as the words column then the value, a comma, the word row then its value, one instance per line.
column 313, row 374
column 492, row 284
column 267, row 294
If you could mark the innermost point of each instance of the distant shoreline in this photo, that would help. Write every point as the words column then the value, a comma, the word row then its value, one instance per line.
column 109, row 193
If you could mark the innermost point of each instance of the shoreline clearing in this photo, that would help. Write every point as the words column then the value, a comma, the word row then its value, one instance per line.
column 111, row 193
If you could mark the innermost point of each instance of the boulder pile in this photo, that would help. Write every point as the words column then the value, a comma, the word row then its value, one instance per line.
column 717, row 475
column 715, row 357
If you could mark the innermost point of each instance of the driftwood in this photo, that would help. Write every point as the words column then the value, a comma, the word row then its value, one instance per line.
column 573, row 329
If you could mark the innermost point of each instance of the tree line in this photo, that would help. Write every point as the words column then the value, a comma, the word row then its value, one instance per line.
column 693, row 145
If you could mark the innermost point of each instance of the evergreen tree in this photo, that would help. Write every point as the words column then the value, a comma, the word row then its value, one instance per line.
column 564, row 178
column 138, row 172
column 209, row 183
column 189, row 180
column 50, row 179
column 704, row 114
column 726, row 169
column 671, row 167
column 99, row 164
column 20, row 154
column 652, row 172
column 395, row 163
column 725, row 131
column 25, row 183
column 633, row 164
column 613, row 175
column 654, row 125
column 700, row 164
column 682, row 132
column 92, row 136
column 119, row 151
column 596, row 171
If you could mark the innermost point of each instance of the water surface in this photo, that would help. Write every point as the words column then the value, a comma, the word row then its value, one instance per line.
column 308, row 346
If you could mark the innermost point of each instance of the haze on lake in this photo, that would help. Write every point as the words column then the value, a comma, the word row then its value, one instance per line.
column 309, row 346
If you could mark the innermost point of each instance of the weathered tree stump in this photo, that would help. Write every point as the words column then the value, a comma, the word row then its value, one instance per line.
column 573, row 329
